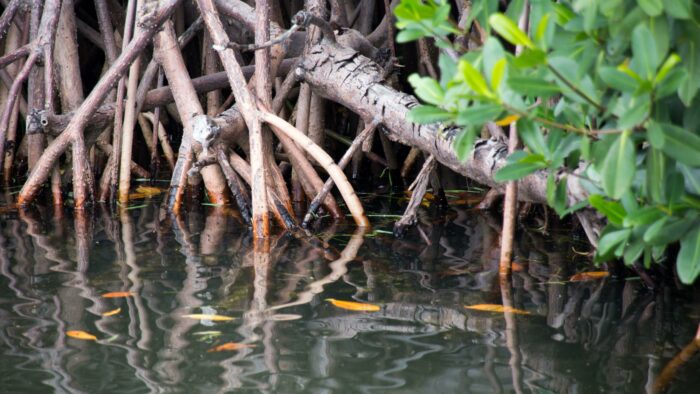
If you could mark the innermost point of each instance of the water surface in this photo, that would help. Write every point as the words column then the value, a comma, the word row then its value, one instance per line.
column 606, row 335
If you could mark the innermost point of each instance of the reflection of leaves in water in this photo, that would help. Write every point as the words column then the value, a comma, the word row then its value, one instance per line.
column 496, row 308
column 353, row 306
column 284, row 317
column 118, row 294
column 79, row 334
column 207, row 336
column 592, row 275
column 230, row 346
column 202, row 316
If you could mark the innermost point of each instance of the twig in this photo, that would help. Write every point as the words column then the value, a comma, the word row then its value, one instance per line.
column 418, row 189
column 335, row 172
column 369, row 129
column 7, row 15
column 234, row 183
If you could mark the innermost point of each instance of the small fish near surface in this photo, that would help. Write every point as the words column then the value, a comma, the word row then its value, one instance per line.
column 230, row 346
column 496, row 308
column 354, row 306
column 112, row 312
column 79, row 334
column 586, row 276
column 118, row 294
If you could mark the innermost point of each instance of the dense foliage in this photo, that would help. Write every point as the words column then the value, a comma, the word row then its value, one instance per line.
column 604, row 90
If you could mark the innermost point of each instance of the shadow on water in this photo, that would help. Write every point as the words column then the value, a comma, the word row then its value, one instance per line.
column 603, row 335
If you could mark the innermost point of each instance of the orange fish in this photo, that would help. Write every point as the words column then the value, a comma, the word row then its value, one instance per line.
column 78, row 334
column 353, row 306
column 148, row 191
column 592, row 275
column 112, row 312
column 229, row 346
column 118, row 294
column 496, row 308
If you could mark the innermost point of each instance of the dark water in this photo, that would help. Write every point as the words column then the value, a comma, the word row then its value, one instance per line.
column 609, row 335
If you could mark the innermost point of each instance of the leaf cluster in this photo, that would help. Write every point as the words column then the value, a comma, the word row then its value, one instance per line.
column 602, row 90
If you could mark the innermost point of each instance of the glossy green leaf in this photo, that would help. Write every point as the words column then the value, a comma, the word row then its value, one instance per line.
column 666, row 68
column 532, row 137
column 612, row 210
column 681, row 9
column 691, row 177
column 423, row 114
column 427, row 89
column 670, row 230
column 533, row 86
column 509, row 30
column 474, row 79
column 651, row 7
column 645, row 51
column 520, row 164
column 688, row 261
column 617, row 79
column 612, row 240
column 529, row 58
column 675, row 142
column 409, row 35
column 478, row 114
column 493, row 54
column 499, row 70
column 465, row 142
column 619, row 167
column 656, row 165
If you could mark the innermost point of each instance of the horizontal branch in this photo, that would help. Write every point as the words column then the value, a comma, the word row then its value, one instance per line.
column 346, row 77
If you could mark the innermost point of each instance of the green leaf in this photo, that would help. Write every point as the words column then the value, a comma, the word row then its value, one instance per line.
column 532, row 137
column 617, row 79
column 464, row 143
column 668, row 230
column 493, row 54
column 556, row 194
column 656, row 165
column 520, row 164
column 642, row 216
column 675, row 142
column 529, row 58
column 474, row 79
column 634, row 113
column 478, row 114
column 688, row 261
column 681, row 9
column 612, row 210
column 645, row 51
column 670, row 62
column 497, row 73
column 408, row 35
column 427, row 89
column 633, row 252
column 533, row 86
column 691, row 63
column 611, row 240
column 651, row 7
column 423, row 114
column 509, row 30
column 619, row 167
column 544, row 33
column 691, row 177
